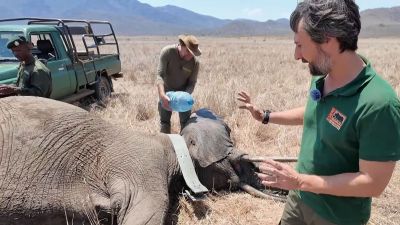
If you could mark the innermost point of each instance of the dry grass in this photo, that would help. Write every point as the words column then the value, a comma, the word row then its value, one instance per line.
column 265, row 68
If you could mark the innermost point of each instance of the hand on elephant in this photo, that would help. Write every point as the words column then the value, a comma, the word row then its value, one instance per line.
column 7, row 90
column 279, row 175
column 255, row 112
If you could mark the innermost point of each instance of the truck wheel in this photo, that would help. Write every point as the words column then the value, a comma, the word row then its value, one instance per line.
column 102, row 89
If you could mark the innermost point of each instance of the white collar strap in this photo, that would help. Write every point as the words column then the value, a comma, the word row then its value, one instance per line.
column 186, row 164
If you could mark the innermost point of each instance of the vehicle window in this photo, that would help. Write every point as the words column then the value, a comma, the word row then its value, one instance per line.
column 64, row 44
column 43, row 46
column 5, row 37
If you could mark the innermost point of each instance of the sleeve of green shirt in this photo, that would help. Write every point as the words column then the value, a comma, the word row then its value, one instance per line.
column 193, row 78
column 380, row 133
column 162, row 67
column 40, row 84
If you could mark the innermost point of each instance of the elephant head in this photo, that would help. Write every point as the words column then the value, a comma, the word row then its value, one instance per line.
column 219, row 164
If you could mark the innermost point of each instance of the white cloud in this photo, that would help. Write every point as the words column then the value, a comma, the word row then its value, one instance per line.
column 253, row 13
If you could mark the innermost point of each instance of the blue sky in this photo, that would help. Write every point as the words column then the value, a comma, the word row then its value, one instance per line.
column 260, row 10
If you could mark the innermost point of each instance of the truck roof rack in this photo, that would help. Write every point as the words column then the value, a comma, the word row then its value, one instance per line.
column 68, row 31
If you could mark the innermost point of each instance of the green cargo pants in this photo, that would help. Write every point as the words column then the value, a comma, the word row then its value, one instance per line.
column 165, row 119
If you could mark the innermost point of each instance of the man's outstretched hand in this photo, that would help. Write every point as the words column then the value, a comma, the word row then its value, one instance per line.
column 255, row 112
column 279, row 175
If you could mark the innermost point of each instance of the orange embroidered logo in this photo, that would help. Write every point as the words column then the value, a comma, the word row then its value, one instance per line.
column 336, row 118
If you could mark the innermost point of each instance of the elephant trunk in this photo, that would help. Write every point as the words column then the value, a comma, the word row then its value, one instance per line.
column 275, row 158
column 252, row 191
column 246, row 167
column 245, row 170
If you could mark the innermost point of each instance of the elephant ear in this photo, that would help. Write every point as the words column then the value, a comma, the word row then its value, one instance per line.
column 208, row 138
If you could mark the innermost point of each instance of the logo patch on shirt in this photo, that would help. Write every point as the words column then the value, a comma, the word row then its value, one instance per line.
column 187, row 70
column 336, row 118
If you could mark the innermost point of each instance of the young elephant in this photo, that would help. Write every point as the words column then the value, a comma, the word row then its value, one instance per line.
column 60, row 165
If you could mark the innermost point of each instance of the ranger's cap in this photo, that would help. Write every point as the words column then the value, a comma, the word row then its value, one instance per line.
column 16, row 42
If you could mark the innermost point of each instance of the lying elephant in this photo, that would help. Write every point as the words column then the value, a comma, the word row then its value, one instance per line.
column 60, row 165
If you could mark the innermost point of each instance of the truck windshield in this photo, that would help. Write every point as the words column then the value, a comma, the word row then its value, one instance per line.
column 5, row 37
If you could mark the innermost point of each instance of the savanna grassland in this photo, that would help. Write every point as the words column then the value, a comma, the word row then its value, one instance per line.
column 265, row 67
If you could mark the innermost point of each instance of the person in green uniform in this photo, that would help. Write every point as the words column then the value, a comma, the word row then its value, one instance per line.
column 34, row 78
column 177, row 71
column 351, row 122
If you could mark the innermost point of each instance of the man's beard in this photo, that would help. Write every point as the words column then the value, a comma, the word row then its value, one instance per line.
column 322, row 66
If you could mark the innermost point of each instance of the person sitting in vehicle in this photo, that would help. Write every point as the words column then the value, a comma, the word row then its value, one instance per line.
column 34, row 78
column 46, row 50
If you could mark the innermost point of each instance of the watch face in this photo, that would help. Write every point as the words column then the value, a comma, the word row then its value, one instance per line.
column 266, row 116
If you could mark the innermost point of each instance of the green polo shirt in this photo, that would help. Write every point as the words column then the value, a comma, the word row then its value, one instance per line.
column 358, row 121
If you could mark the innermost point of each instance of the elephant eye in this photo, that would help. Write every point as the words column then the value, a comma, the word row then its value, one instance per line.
column 192, row 142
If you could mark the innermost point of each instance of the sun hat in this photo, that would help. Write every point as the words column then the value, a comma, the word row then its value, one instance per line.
column 191, row 43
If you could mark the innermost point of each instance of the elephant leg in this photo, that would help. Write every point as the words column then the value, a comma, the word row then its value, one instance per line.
column 102, row 205
column 148, row 208
column 135, row 206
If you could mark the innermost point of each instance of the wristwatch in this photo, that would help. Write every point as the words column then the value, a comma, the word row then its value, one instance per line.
column 266, row 116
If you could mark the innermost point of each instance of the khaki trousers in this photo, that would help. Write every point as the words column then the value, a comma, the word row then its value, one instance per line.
column 298, row 213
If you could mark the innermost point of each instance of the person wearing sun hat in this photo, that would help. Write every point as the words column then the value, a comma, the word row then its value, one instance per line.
column 33, row 76
column 177, row 71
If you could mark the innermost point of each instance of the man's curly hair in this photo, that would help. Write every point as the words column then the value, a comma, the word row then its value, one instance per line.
column 329, row 18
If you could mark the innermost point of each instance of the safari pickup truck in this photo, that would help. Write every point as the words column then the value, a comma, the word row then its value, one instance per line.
column 83, row 56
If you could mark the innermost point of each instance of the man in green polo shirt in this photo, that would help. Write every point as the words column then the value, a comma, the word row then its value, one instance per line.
column 177, row 71
column 33, row 77
column 351, row 134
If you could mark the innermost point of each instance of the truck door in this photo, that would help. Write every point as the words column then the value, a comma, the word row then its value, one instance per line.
column 87, row 55
column 51, row 48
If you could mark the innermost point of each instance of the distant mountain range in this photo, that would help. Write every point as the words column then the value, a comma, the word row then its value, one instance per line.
column 131, row 17
column 380, row 22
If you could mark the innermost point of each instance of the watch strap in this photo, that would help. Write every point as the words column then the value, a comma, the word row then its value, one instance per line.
column 266, row 116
